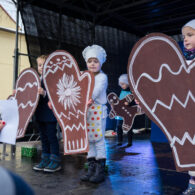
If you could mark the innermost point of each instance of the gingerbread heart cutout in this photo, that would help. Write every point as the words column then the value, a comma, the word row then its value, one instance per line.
column 118, row 108
column 27, row 97
column 69, row 91
column 164, row 84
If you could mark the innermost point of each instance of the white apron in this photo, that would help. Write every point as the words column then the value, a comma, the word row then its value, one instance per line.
column 96, row 117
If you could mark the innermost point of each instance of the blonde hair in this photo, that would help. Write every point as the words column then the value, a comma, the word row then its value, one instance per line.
column 44, row 57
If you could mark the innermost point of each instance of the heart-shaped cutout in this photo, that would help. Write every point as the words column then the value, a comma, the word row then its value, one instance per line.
column 164, row 84
column 27, row 96
column 69, row 91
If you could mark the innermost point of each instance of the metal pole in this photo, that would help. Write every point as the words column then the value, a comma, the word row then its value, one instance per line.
column 60, row 29
column 15, row 74
column 16, row 51
column 4, row 150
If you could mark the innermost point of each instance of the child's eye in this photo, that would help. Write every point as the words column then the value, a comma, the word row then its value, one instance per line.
column 189, row 34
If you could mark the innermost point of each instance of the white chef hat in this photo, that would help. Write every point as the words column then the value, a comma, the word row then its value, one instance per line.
column 95, row 51
column 123, row 79
column 191, row 24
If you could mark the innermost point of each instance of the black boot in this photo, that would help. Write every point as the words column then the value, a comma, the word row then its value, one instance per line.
column 99, row 175
column 129, row 137
column 119, row 132
column 91, row 169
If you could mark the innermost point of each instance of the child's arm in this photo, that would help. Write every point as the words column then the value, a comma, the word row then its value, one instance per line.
column 49, row 105
column 100, row 86
column 14, row 92
column 42, row 92
column 136, row 101
column 90, row 102
column 129, row 98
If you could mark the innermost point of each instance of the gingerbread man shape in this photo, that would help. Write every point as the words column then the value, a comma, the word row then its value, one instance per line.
column 118, row 108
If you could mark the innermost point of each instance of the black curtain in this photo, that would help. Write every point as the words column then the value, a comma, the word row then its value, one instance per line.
column 44, row 35
column 47, row 31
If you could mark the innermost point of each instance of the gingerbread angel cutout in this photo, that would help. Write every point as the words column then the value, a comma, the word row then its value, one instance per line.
column 69, row 91
column 163, row 83
column 119, row 108
column 27, row 97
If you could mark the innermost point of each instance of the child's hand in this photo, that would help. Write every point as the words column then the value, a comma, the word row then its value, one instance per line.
column 126, row 103
column 137, row 101
column 49, row 105
column 90, row 102
column 41, row 91
column 2, row 124
column 14, row 92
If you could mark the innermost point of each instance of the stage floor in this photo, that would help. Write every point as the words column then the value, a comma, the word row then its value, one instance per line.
column 145, row 168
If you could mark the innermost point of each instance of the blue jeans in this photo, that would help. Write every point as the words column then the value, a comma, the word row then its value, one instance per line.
column 48, row 136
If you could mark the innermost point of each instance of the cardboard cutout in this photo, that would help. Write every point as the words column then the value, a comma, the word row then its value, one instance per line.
column 69, row 92
column 118, row 108
column 27, row 97
column 164, row 84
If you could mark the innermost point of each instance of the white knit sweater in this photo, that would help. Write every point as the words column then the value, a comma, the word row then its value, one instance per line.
column 99, row 91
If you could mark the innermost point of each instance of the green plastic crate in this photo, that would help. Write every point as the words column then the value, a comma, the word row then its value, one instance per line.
column 28, row 151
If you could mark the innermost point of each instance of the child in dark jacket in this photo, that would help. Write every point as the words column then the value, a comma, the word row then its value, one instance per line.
column 46, row 122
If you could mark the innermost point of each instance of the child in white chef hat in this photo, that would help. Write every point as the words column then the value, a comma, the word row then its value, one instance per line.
column 94, row 57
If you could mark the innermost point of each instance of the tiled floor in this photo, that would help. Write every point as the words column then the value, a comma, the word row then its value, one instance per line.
column 144, row 168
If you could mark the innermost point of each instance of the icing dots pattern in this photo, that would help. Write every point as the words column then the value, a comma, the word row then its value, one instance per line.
column 94, row 122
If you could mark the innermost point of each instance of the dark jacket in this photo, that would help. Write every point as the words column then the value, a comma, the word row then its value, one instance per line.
column 43, row 113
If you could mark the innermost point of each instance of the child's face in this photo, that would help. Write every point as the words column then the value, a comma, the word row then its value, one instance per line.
column 93, row 65
column 124, row 85
column 189, row 37
column 40, row 62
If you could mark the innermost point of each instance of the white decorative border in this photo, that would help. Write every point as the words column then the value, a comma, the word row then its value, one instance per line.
column 59, row 115
column 20, row 132
column 135, row 86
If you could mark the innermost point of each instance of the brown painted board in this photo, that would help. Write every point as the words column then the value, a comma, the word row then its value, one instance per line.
column 27, row 97
column 118, row 108
column 69, row 91
column 164, row 84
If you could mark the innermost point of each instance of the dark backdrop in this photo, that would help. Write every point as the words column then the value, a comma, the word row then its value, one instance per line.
column 43, row 35
column 46, row 32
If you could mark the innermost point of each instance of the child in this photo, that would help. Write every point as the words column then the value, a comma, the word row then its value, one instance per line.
column 95, row 56
column 46, row 122
column 124, row 84
column 188, row 32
